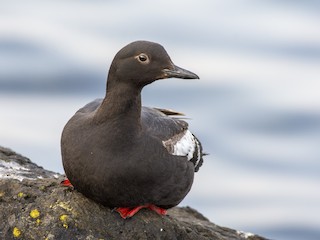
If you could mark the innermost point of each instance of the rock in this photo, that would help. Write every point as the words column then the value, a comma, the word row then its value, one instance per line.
column 33, row 205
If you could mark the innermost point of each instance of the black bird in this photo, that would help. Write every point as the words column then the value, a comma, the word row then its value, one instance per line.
column 129, row 157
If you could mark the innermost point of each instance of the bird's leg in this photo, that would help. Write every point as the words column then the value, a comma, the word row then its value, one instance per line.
column 127, row 212
column 66, row 183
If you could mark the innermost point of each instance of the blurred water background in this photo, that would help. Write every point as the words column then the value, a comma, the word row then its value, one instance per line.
column 256, row 107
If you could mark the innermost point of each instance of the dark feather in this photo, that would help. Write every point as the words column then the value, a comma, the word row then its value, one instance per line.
column 160, row 123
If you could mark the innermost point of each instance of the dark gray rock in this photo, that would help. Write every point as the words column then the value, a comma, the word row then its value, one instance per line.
column 33, row 205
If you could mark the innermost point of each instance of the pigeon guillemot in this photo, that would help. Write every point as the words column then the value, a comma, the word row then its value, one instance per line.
column 126, row 156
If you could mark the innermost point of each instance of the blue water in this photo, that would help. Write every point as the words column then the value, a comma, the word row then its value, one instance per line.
column 256, row 107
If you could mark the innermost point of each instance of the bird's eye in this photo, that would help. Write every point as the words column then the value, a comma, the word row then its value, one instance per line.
column 143, row 58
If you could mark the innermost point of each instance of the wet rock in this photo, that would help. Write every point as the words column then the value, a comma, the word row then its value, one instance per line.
column 33, row 205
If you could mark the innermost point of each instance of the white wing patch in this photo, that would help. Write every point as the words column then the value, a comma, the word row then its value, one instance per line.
column 183, row 144
column 198, row 153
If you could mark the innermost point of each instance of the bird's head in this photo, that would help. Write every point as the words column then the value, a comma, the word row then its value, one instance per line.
column 142, row 62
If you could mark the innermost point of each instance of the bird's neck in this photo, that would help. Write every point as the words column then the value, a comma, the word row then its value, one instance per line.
column 123, row 104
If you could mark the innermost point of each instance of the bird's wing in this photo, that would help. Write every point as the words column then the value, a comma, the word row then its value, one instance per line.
column 158, row 123
column 169, row 112
column 173, row 132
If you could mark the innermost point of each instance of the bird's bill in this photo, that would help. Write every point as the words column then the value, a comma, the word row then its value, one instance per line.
column 178, row 72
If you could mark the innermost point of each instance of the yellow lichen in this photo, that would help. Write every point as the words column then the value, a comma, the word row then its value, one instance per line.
column 65, row 206
column 21, row 195
column 34, row 213
column 38, row 221
column 64, row 218
column 16, row 232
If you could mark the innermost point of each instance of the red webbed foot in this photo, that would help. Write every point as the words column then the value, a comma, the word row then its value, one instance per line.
column 127, row 212
column 66, row 183
column 159, row 210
